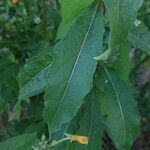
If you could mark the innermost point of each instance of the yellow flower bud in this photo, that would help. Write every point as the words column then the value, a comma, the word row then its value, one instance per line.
column 78, row 138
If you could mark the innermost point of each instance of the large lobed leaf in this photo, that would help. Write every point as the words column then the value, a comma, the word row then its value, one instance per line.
column 122, row 15
column 71, row 75
column 121, row 108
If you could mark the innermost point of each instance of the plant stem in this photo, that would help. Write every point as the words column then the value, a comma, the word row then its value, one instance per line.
column 54, row 143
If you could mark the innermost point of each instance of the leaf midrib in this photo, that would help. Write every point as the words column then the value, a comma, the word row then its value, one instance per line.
column 78, row 56
column 118, row 100
column 134, row 36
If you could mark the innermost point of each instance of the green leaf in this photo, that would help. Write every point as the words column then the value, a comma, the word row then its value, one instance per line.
column 122, row 15
column 90, row 124
column 70, row 10
column 21, row 142
column 63, row 29
column 71, row 75
column 104, row 56
column 123, row 64
column 140, row 39
column 32, row 79
column 123, row 117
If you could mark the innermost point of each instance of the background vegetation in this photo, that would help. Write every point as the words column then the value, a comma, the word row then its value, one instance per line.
column 29, row 29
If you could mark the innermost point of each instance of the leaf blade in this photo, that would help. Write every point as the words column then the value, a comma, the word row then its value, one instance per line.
column 122, row 16
column 71, row 93
column 70, row 10
column 31, row 77
column 123, row 116
column 140, row 39
column 19, row 142
column 89, row 123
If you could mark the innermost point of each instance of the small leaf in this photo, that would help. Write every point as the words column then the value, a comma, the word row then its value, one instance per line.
column 104, row 56
column 32, row 78
column 21, row 142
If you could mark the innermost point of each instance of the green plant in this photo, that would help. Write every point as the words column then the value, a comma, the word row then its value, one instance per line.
column 76, row 83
